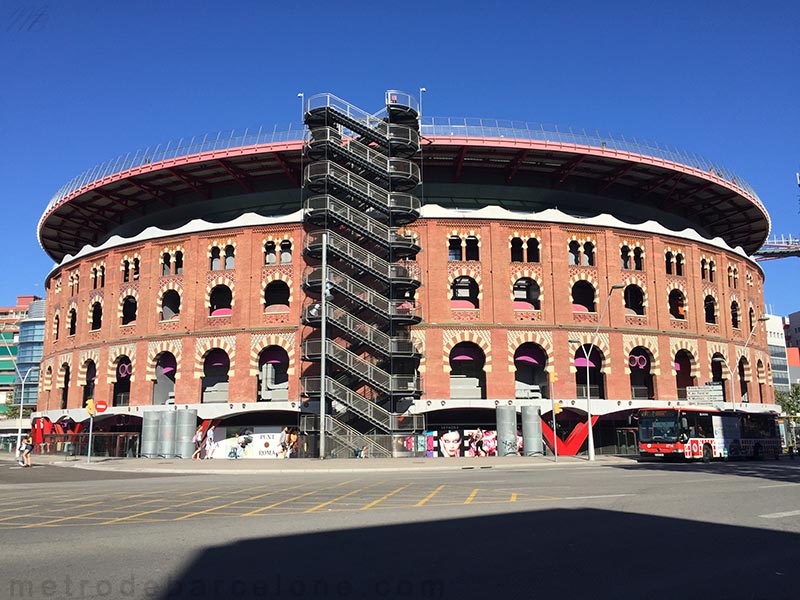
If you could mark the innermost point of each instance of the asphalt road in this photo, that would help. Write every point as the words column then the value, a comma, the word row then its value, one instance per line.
column 627, row 530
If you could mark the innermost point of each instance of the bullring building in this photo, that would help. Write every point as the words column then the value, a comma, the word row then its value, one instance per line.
column 410, row 274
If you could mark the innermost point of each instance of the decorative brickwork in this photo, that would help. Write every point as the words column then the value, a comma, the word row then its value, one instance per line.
column 479, row 337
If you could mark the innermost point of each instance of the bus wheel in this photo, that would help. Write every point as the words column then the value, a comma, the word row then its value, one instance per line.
column 757, row 455
column 707, row 453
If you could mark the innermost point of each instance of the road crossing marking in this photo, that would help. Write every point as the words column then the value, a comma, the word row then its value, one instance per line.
column 273, row 505
column 471, row 496
column 429, row 496
column 342, row 497
column 382, row 498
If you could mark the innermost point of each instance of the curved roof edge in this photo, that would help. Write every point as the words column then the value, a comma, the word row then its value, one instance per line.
column 430, row 211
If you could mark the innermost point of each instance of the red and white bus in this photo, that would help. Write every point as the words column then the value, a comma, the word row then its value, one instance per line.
column 700, row 433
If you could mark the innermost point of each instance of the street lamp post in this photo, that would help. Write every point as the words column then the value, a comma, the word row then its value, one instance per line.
column 586, row 354
column 735, row 368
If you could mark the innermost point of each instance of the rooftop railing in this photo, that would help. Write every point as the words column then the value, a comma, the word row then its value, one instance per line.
column 431, row 126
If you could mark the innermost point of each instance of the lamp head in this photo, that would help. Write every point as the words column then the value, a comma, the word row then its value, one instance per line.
column 618, row 286
column 574, row 341
column 763, row 319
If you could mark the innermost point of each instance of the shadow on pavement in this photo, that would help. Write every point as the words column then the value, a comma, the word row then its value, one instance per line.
column 539, row 554
column 784, row 470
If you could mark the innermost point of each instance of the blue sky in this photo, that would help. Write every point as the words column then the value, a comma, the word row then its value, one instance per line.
column 84, row 81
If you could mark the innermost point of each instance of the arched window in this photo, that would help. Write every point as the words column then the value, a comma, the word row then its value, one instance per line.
column 677, row 304
column 215, row 376
column 129, row 310
column 596, row 378
column 102, row 276
column 467, row 377
column 73, row 321
column 122, row 384
column 710, row 308
column 668, row 263
column 126, row 271
column 642, row 381
column 744, row 372
column 583, row 297
column 230, row 260
column 679, row 264
column 178, row 262
column 65, row 371
column 215, row 264
column 286, row 252
column 273, row 374
column 276, row 297
column 735, row 277
column 472, row 248
column 530, row 377
column 136, row 269
column 712, row 271
column 97, row 316
column 95, row 276
column 464, row 293
column 625, row 257
column 703, row 269
column 533, row 251
column 56, row 321
column 730, row 276
column 588, row 254
column 91, row 377
column 634, row 300
column 762, row 377
column 220, row 301
column 166, row 264
column 166, row 369
column 170, row 305
column 719, row 373
column 638, row 259
column 526, row 294
column 270, row 255
column 454, row 248
column 752, row 318
column 735, row 314
column 683, row 373
column 516, row 250
column 574, row 253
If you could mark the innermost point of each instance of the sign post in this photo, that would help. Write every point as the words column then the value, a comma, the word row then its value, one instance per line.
column 553, row 378
column 90, row 408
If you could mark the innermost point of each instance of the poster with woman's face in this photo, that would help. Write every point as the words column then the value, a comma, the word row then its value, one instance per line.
column 449, row 443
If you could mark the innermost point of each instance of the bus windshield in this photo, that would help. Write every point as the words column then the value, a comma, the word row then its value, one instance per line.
column 658, row 426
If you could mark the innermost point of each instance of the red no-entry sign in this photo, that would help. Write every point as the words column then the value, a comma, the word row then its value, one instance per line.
column 101, row 406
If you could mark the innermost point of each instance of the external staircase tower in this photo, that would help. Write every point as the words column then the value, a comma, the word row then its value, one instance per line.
column 361, row 276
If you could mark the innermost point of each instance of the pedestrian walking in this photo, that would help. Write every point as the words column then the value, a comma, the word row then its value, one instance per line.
column 198, row 442
column 210, row 443
column 26, row 449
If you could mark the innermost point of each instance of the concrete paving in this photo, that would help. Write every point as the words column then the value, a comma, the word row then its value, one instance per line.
column 311, row 465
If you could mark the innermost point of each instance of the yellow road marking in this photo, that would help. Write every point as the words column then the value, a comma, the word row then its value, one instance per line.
column 162, row 509
column 84, row 515
column 429, row 496
column 513, row 498
column 248, row 499
column 263, row 508
column 379, row 500
column 471, row 496
column 342, row 497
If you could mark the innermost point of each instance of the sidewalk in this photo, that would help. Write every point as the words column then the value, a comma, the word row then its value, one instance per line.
column 312, row 465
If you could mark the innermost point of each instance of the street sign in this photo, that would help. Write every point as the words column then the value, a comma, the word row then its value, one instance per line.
column 704, row 394
column 100, row 406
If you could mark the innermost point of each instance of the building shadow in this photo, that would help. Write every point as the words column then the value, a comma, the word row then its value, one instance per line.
column 568, row 554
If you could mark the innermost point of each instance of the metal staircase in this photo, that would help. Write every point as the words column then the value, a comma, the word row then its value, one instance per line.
column 359, row 182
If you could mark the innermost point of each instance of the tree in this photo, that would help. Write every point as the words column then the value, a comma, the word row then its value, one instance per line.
column 789, row 403
column 12, row 411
